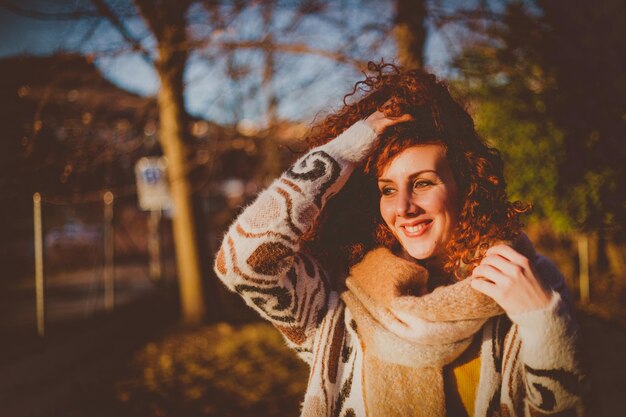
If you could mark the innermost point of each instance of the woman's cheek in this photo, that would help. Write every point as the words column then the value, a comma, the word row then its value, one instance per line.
column 387, row 211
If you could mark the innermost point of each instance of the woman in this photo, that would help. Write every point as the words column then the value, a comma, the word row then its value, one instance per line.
column 413, row 290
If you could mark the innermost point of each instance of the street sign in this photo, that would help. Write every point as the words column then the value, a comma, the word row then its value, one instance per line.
column 152, row 187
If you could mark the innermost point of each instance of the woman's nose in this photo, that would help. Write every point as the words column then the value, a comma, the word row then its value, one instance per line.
column 405, row 205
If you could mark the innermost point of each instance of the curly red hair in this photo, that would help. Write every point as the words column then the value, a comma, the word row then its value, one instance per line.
column 351, row 224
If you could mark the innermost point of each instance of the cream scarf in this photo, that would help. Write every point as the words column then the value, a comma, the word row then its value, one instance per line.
column 408, row 339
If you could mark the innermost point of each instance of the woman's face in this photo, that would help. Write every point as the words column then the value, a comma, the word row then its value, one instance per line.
column 418, row 200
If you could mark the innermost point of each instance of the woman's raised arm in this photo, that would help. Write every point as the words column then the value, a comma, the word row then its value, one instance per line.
column 260, row 255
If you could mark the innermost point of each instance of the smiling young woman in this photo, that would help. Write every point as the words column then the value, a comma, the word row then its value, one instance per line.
column 392, row 261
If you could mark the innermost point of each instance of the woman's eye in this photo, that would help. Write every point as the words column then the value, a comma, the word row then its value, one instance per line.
column 422, row 184
column 386, row 191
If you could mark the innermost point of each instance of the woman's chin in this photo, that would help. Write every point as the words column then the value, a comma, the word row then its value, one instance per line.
column 419, row 253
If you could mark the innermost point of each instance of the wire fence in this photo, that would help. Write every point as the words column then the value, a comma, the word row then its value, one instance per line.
column 87, row 255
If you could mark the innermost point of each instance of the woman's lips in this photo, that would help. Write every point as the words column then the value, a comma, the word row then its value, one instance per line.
column 416, row 230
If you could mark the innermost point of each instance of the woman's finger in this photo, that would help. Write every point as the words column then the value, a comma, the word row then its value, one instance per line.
column 400, row 119
column 510, row 254
column 507, row 267
column 379, row 122
column 484, row 286
column 492, row 274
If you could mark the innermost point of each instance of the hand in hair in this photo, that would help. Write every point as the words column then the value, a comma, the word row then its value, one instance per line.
column 378, row 121
column 509, row 278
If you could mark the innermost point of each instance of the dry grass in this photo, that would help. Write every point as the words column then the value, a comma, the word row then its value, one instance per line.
column 220, row 370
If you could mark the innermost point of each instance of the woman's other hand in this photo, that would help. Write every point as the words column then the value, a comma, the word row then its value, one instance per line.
column 378, row 121
column 509, row 278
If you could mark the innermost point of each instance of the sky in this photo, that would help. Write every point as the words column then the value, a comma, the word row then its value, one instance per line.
column 208, row 95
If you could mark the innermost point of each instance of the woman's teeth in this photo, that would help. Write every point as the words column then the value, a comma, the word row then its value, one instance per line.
column 415, row 229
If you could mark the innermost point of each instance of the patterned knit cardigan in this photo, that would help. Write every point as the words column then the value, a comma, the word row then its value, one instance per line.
column 529, row 364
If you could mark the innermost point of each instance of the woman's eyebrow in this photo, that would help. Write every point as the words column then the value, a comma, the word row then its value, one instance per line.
column 412, row 176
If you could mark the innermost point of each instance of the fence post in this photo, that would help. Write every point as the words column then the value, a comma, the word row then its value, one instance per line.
column 583, row 262
column 109, row 252
column 154, row 245
column 39, row 278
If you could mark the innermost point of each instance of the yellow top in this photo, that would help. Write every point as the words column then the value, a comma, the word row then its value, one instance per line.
column 461, row 381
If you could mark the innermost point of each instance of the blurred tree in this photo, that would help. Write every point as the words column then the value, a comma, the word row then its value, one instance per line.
column 548, row 88
column 504, row 91
column 583, row 56
column 167, row 34
column 546, row 83
column 167, row 21
column 410, row 32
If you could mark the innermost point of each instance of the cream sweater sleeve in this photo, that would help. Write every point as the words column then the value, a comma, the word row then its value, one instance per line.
column 550, row 351
column 260, row 255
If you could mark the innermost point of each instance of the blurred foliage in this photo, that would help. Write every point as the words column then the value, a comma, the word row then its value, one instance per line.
column 221, row 370
column 608, row 286
column 546, row 83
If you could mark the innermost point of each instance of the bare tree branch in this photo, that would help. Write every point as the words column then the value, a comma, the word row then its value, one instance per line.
column 295, row 48
column 441, row 17
column 106, row 11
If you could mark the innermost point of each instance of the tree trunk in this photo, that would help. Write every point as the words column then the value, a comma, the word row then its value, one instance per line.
column 166, row 19
column 410, row 32
column 187, row 259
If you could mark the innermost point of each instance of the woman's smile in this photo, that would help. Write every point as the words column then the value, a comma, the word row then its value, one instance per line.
column 416, row 229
